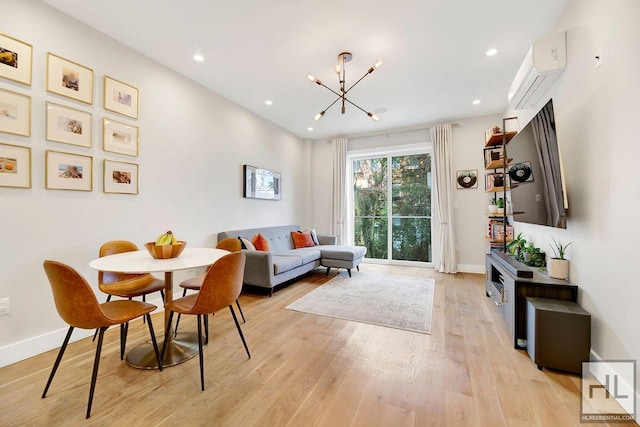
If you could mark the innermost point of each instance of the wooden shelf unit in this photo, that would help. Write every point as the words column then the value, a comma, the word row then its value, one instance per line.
column 496, row 138
column 497, row 164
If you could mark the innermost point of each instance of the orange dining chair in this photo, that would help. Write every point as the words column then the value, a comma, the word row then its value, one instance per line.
column 79, row 308
column 126, row 285
column 195, row 283
column 220, row 288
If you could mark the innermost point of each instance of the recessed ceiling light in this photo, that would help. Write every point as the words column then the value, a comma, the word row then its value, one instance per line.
column 492, row 51
column 198, row 58
column 268, row 102
column 310, row 129
column 476, row 101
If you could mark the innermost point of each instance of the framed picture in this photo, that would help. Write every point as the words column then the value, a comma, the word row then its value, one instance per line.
column 15, row 166
column 467, row 178
column 120, row 137
column 69, row 79
column 15, row 59
column 120, row 97
column 68, row 125
column 521, row 172
column 495, row 181
column 68, row 171
column 120, row 177
column 15, row 113
column 261, row 183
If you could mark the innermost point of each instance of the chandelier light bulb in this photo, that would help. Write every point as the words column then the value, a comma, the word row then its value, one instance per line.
column 378, row 64
column 338, row 69
column 318, row 116
column 373, row 117
column 311, row 77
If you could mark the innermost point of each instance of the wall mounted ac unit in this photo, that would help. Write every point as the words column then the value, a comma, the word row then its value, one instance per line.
column 545, row 61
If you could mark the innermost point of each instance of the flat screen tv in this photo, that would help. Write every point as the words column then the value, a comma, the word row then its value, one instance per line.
column 537, row 171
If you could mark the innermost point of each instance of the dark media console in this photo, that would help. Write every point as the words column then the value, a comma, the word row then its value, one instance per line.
column 509, row 283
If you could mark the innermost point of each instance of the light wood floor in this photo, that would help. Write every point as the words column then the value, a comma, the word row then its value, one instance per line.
column 309, row 370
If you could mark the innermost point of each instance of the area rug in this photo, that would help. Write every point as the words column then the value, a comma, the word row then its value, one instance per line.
column 392, row 301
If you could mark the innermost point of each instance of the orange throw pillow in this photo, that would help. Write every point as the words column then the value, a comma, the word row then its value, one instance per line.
column 302, row 240
column 230, row 244
column 260, row 242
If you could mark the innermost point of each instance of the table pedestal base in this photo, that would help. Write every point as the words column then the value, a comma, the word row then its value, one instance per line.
column 181, row 348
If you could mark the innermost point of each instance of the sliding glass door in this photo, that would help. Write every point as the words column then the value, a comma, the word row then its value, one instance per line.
column 392, row 206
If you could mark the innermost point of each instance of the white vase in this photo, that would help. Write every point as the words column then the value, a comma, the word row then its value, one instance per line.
column 493, row 209
column 558, row 268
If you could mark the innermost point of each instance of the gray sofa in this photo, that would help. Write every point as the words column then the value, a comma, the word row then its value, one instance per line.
column 283, row 263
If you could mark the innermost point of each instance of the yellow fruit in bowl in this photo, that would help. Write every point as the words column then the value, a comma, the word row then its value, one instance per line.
column 166, row 239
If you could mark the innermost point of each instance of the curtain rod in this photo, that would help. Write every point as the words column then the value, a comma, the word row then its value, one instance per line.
column 395, row 131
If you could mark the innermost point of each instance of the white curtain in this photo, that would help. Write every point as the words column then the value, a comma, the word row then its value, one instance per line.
column 442, row 187
column 338, row 217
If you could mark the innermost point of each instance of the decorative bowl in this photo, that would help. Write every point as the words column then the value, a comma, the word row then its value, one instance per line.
column 166, row 251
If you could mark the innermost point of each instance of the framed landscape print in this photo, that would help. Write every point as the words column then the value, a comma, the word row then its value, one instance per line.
column 15, row 166
column 68, row 125
column 120, row 177
column 120, row 137
column 120, row 97
column 69, row 79
column 15, row 59
column 261, row 183
column 68, row 171
column 15, row 113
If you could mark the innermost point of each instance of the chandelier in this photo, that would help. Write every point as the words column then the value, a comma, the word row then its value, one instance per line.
column 343, row 58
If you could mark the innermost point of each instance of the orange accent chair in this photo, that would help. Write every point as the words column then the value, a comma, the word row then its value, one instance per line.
column 78, row 306
column 220, row 288
column 126, row 285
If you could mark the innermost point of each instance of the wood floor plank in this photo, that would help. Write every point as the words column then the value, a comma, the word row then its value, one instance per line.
column 309, row 370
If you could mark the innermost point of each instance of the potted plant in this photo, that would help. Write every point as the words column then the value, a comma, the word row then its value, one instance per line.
column 493, row 207
column 534, row 257
column 517, row 246
column 558, row 266
column 500, row 205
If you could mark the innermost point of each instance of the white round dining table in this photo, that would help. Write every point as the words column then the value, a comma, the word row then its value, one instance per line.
column 184, row 345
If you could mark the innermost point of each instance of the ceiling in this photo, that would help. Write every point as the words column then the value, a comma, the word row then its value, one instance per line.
column 433, row 53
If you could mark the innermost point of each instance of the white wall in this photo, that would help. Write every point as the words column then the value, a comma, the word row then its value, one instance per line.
column 597, row 114
column 193, row 146
column 470, row 205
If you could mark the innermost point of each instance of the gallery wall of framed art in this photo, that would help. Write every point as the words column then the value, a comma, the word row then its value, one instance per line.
column 69, row 116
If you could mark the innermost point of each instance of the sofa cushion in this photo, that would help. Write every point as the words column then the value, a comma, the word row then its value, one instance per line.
column 307, row 255
column 342, row 252
column 302, row 239
column 285, row 263
column 260, row 242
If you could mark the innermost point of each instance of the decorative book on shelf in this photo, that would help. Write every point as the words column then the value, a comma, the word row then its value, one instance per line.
column 496, row 231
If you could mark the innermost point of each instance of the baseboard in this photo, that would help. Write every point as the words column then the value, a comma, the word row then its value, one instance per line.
column 471, row 268
column 622, row 387
column 33, row 346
